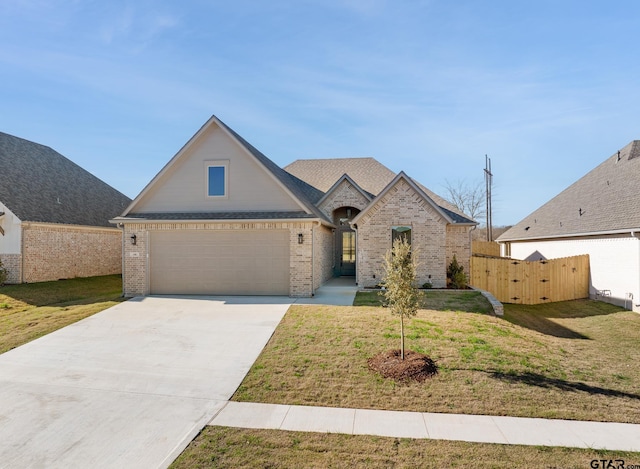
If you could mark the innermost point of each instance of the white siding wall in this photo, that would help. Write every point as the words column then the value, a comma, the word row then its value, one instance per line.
column 183, row 187
column 10, row 242
column 614, row 262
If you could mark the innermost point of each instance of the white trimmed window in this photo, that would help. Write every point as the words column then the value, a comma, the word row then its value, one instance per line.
column 217, row 178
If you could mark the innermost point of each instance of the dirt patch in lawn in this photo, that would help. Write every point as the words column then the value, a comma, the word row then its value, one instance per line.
column 414, row 367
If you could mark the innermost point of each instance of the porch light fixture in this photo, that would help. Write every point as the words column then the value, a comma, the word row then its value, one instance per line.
column 300, row 238
column 133, row 239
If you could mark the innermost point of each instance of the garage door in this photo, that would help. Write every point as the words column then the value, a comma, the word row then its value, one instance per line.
column 221, row 262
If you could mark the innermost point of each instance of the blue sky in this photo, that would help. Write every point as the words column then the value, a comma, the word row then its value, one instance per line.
column 548, row 89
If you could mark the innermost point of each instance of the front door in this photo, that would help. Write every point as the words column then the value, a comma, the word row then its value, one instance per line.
column 348, row 253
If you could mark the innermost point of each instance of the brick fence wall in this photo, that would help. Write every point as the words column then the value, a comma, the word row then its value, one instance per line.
column 52, row 252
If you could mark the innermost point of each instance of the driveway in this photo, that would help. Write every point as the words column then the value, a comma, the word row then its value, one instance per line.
column 132, row 385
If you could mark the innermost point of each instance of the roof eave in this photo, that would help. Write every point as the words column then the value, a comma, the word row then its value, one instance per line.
column 132, row 220
column 631, row 231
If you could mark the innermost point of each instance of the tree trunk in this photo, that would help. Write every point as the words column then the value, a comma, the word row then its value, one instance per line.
column 402, row 336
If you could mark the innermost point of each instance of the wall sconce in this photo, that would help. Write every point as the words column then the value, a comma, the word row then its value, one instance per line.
column 300, row 238
column 133, row 239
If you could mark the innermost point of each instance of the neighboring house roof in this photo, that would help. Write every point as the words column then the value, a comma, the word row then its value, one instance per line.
column 603, row 201
column 368, row 174
column 40, row 185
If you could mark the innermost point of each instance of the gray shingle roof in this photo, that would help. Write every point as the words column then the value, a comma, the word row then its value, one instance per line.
column 606, row 199
column 368, row 173
column 304, row 192
column 38, row 184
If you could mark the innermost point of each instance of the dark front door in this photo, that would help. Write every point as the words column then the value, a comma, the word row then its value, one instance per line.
column 348, row 253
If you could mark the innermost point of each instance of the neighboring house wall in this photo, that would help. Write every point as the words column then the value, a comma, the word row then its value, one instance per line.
column 10, row 245
column 614, row 262
column 400, row 206
column 136, row 268
column 12, row 263
column 52, row 252
column 345, row 195
column 182, row 188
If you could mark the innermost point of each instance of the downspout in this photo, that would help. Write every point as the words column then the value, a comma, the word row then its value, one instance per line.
column 637, row 303
column 355, row 228
column 313, row 261
column 121, row 226
column 21, row 251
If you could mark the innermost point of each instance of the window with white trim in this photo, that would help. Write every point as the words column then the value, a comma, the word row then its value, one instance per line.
column 217, row 180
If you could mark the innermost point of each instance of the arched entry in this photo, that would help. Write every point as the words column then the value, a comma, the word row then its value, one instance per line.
column 345, row 242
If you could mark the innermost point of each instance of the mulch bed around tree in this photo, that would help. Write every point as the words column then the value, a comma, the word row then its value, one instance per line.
column 414, row 367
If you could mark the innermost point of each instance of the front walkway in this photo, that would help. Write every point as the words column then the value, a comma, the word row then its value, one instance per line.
column 472, row 428
column 337, row 291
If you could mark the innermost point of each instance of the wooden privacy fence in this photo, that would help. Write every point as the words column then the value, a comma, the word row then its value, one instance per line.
column 532, row 282
column 485, row 248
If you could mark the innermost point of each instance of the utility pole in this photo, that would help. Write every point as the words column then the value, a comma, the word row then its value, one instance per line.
column 488, row 179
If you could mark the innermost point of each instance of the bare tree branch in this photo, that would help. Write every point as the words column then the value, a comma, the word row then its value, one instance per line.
column 469, row 198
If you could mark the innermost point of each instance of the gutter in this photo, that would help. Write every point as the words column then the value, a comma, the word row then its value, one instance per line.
column 121, row 226
column 632, row 231
column 223, row 220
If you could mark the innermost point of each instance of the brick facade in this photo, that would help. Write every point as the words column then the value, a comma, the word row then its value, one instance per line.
column 52, row 252
column 345, row 195
column 323, row 255
column 433, row 241
column 302, row 276
column 459, row 244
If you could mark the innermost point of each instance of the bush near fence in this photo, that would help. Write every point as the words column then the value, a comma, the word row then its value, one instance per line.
column 532, row 282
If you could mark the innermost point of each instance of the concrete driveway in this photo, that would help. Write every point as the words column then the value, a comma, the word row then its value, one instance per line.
column 132, row 385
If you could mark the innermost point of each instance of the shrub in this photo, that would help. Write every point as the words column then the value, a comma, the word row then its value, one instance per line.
column 456, row 278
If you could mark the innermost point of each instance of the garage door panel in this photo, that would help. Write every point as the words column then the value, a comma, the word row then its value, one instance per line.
column 219, row 262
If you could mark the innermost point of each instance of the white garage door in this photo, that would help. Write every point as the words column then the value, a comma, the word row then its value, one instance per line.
column 224, row 262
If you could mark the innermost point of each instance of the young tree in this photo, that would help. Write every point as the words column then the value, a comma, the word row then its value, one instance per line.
column 401, row 296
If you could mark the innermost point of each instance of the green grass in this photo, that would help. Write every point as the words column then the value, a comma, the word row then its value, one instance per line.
column 244, row 448
column 438, row 300
column 29, row 311
column 573, row 360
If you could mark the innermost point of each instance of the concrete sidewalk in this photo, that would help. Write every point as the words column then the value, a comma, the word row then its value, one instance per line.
column 472, row 428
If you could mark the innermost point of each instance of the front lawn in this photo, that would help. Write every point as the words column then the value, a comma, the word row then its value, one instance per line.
column 572, row 360
column 29, row 311
column 243, row 448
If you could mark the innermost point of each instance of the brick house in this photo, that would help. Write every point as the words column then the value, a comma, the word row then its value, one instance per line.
column 222, row 218
column 54, row 216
